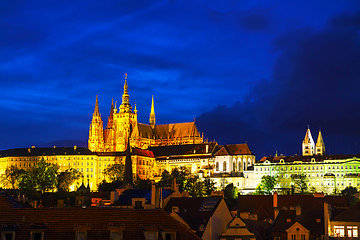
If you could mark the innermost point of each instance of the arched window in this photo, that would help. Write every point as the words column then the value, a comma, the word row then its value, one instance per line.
column 239, row 166
column 224, row 166
column 234, row 166
column 217, row 166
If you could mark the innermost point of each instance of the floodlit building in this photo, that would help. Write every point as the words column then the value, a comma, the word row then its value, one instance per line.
column 123, row 125
column 324, row 173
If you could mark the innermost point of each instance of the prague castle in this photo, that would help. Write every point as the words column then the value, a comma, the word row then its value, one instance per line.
column 123, row 125
column 156, row 148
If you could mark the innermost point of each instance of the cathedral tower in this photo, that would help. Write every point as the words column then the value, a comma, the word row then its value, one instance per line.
column 124, row 121
column 96, row 135
column 152, row 114
column 308, row 145
column 320, row 145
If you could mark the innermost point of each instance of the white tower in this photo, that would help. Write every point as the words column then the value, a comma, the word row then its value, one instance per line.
column 308, row 145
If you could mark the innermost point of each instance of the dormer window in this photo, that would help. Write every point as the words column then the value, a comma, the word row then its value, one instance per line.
column 8, row 235
column 116, row 231
column 81, row 231
column 169, row 235
column 116, row 235
column 151, row 235
column 37, row 231
column 37, row 235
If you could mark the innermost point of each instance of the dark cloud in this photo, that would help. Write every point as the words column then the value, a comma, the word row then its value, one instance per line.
column 255, row 21
column 315, row 81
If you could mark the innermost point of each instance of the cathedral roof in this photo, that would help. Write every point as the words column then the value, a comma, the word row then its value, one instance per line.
column 176, row 130
column 166, row 131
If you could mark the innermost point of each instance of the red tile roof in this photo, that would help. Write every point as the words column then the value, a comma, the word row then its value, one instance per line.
column 60, row 223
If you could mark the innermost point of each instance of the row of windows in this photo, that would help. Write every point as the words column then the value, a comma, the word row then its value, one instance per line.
column 307, row 168
column 351, row 231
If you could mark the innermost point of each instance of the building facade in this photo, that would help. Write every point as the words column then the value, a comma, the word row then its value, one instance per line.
column 323, row 173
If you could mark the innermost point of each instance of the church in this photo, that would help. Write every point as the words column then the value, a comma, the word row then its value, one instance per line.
column 123, row 126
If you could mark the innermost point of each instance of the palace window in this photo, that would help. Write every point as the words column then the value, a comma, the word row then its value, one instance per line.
column 224, row 167
column 217, row 166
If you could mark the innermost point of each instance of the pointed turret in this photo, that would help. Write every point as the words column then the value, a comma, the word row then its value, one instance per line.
column 320, row 145
column 152, row 114
column 96, row 110
column 96, row 131
column 308, row 145
column 125, row 105
column 111, row 116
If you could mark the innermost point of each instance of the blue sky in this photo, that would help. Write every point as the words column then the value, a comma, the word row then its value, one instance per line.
column 255, row 71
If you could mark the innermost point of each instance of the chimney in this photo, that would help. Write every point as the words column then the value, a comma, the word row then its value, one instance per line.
column 298, row 210
column 153, row 190
column 275, row 205
column 327, row 215
column 275, row 200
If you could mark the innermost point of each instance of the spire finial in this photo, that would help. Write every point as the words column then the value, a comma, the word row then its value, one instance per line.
column 125, row 105
column 96, row 110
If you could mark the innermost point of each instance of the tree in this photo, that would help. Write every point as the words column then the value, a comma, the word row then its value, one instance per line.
column 350, row 192
column 230, row 195
column 209, row 186
column 67, row 178
column 108, row 187
column 266, row 186
column 300, row 183
column 41, row 177
column 115, row 172
column 11, row 176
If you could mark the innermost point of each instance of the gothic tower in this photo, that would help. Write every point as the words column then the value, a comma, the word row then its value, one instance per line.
column 152, row 114
column 123, row 121
column 96, row 135
column 308, row 145
column 320, row 145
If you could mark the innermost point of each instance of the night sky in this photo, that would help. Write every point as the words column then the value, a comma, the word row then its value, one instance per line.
column 254, row 71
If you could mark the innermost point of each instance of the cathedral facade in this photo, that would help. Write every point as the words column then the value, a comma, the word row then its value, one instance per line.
column 123, row 126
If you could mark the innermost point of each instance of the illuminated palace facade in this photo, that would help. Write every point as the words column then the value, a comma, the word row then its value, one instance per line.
column 324, row 173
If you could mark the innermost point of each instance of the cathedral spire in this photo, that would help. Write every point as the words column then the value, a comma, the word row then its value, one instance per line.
column 125, row 105
column 152, row 119
column 111, row 116
column 96, row 110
